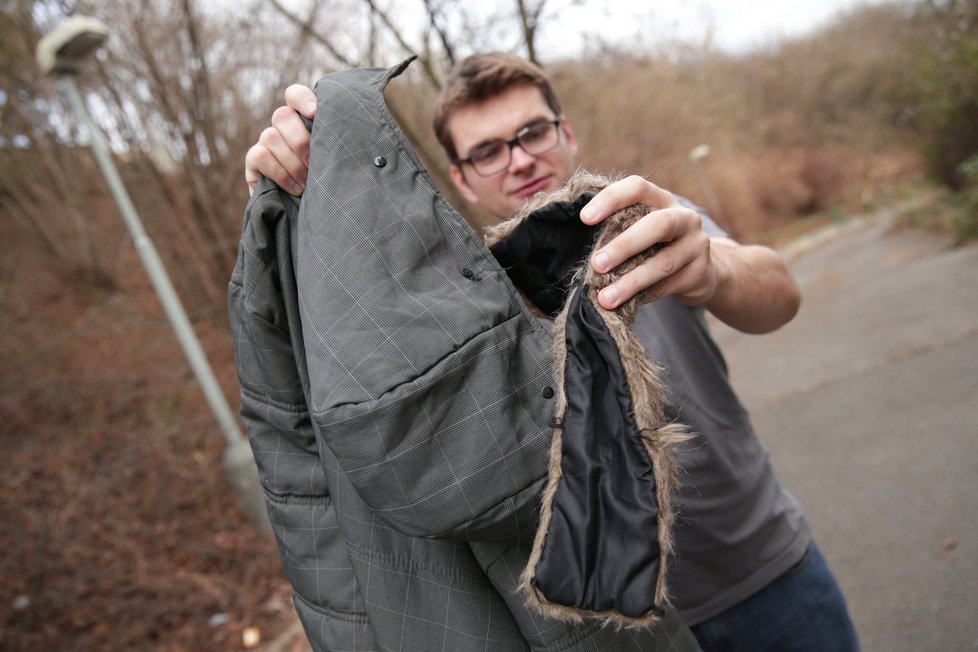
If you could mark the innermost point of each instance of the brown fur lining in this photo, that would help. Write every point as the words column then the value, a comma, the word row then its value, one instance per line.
column 644, row 380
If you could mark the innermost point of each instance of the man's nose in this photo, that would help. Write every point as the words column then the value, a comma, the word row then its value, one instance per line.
column 519, row 159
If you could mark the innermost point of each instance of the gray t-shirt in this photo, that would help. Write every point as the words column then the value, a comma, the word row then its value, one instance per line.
column 737, row 528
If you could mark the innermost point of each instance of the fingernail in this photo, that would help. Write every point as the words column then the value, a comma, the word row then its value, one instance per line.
column 610, row 295
column 601, row 262
column 298, row 188
column 311, row 107
column 587, row 213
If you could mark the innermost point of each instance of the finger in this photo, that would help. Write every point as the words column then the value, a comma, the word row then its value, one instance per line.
column 691, row 285
column 657, row 227
column 667, row 270
column 259, row 161
column 252, row 173
column 624, row 289
column 622, row 194
column 302, row 99
column 284, row 154
column 251, row 178
column 657, row 270
column 293, row 134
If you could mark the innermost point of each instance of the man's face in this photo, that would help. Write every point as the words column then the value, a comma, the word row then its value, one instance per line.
column 500, row 118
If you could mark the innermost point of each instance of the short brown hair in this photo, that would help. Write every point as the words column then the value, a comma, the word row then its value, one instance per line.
column 480, row 77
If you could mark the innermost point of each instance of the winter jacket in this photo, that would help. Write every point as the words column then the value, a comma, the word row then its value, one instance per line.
column 397, row 395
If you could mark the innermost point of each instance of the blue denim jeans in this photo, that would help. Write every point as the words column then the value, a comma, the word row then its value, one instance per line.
column 801, row 611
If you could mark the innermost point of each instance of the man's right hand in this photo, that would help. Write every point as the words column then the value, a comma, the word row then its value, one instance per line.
column 282, row 150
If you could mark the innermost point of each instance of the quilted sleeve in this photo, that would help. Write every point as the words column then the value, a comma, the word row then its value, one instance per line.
column 264, row 320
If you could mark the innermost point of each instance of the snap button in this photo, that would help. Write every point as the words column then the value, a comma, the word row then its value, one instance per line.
column 548, row 392
column 467, row 273
column 380, row 161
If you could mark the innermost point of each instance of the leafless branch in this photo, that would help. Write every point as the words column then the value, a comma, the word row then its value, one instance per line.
column 309, row 30
column 529, row 21
column 399, row 37
column 446, row 44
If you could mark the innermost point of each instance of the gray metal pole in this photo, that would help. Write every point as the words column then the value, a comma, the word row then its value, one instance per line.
column 159, row 277
column 711, row 196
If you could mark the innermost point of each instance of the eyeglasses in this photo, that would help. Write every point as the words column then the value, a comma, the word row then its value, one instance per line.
column 535, row 139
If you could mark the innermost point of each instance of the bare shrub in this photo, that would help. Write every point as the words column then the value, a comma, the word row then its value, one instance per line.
column 180, row 101
column 794, row 128
column 797, row 128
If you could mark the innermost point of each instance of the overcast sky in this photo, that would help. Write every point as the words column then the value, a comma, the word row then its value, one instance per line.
column 736, row 25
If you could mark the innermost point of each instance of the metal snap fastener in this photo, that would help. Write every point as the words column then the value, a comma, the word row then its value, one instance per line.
column 548, row 392
column 380, row 161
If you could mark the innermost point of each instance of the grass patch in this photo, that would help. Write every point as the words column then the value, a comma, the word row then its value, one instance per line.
column 779, row 237
column 954, row 215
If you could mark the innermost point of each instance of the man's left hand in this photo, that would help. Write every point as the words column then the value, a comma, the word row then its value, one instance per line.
column 748, row 287
column 683, row 268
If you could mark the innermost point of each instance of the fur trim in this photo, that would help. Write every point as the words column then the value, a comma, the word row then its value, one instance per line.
column 648, row 396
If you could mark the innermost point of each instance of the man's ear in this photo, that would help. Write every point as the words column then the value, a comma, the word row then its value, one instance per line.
column 463, row 187
column 565, row 124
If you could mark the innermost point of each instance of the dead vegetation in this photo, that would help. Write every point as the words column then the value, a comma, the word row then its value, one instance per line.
column 812, row 124
column 117, row 527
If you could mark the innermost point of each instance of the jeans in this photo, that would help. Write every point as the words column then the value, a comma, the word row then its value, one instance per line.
column 801, row 611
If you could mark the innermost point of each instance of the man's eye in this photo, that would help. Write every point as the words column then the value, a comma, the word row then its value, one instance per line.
column 487, row 153
column 535, row 132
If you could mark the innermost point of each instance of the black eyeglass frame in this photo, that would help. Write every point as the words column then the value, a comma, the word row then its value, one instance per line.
column 511, row 143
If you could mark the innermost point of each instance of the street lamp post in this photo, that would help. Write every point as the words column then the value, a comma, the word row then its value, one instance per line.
column 63, row 52
column 696, row 156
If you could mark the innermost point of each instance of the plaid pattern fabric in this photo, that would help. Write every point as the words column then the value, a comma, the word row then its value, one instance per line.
column 393, row 388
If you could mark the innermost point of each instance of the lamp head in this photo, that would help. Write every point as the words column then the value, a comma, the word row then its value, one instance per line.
column 699, row 152
column 65, row 49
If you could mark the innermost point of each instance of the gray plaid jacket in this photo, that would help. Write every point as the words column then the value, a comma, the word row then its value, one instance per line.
column 395, row 392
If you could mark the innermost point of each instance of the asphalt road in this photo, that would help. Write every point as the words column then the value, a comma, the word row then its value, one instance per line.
column 868, row 403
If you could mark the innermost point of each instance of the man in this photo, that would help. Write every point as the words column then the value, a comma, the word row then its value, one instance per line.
column 747, row 575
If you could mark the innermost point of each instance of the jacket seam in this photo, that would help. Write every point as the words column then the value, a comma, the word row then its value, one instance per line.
column 444, row 533
column 292, row 408
column 290, row 498
column 475, row 245
column 347, row 616
column 399, row 563
column 257, row 315
column 420, row 374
